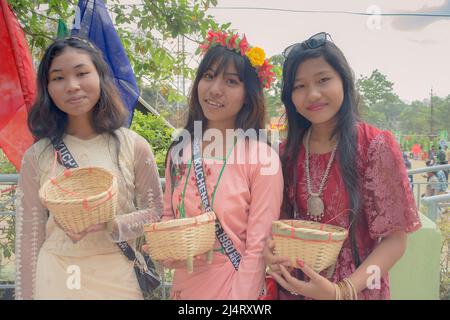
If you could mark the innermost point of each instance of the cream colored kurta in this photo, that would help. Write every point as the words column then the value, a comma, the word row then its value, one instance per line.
column 47, row 261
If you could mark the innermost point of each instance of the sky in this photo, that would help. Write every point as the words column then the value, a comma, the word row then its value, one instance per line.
column 413, row 52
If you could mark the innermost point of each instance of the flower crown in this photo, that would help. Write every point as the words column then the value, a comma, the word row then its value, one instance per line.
column 256, row 55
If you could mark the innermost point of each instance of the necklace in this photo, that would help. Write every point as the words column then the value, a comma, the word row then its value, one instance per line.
column 315, row 204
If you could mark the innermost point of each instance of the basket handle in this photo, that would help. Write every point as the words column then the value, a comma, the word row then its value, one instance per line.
column 67, row 173
column 66, row 170
column 322, row 224
column 89, row 208
column 340, row 214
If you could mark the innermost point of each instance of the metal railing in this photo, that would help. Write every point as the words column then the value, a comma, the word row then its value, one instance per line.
column 432, row 204
column 9, row 180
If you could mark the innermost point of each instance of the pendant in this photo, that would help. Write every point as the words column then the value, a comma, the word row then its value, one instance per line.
column 315, row 206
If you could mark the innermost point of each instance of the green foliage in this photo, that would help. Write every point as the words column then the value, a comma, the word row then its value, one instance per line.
column 375, row 88
column 7, row 235
column 379, row 104
column 154, row 130
column 273, row 96
column 6, row 222
column 5, row 165
column 415, row 116
column 148, row 32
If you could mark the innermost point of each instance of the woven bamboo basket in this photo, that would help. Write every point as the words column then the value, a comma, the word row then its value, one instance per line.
column 182, row 239
column 81, row 197
column 317, row 244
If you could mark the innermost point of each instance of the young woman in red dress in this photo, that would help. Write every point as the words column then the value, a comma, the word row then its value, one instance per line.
column 341, row 171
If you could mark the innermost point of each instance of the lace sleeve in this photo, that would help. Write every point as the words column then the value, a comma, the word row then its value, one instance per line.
column 148, row 196
column 31, row 217
column 388, row 201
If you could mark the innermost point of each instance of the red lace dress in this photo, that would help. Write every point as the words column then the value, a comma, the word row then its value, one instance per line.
column 387, row 205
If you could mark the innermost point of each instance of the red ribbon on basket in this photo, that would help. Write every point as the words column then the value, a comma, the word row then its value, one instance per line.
column 67, row 173
column 322, row 225
column 8, row 189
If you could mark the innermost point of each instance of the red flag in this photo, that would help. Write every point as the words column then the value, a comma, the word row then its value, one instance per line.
column 17, row 86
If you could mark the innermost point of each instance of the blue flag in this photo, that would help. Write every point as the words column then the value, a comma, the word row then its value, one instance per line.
column 92, row 21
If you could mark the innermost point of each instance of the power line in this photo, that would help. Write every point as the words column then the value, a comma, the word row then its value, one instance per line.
column 396, row 14
column 334, row 12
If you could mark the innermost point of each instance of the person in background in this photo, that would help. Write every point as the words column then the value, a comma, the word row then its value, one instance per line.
column 408, row 166
column 432, row 155
column 436, row 182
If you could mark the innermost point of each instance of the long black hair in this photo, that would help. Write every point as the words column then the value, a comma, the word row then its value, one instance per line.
column 252, row 113
column 345, row 130
column 46, row 120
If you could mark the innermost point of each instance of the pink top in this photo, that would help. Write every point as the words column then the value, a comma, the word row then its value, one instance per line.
column 388, row 203
column 247, row 200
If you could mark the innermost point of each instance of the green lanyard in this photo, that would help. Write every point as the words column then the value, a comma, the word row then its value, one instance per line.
column 182, row 210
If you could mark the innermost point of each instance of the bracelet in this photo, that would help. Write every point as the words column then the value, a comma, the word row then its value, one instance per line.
column 337, row 292
column 353, row 291
column 345, row 290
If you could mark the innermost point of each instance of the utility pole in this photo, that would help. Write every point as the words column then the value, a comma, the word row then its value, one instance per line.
column 180, row 76
column 178, row 84
column 431, row 108
column 182, row 70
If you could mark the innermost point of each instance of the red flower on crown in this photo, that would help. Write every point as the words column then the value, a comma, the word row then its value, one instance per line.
column 265, row 74
column 232, row 41
column 221, row 39
column 240, row 46
column 243, row 45
column 204, row 47
column 211, row 35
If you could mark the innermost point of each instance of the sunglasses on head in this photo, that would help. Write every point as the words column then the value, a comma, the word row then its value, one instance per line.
column 313, row 42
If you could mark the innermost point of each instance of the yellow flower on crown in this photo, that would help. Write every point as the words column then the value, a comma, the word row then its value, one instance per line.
column 256, row 56
column 233, row 42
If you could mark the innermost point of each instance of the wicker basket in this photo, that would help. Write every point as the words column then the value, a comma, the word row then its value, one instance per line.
column 317, row 244
column 182, row 239
column 81, row 197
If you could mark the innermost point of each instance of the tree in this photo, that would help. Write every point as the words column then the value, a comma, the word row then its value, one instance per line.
column 414, row 118
column 441, row 113
column 273, row 96
column 158, row 135
column 379, row 104
column 148, row 32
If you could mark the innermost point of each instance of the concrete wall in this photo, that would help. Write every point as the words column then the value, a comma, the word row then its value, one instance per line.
column 417, row 274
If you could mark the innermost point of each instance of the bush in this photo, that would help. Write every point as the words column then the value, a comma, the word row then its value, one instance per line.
column 5, row 165
column 157, row 133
